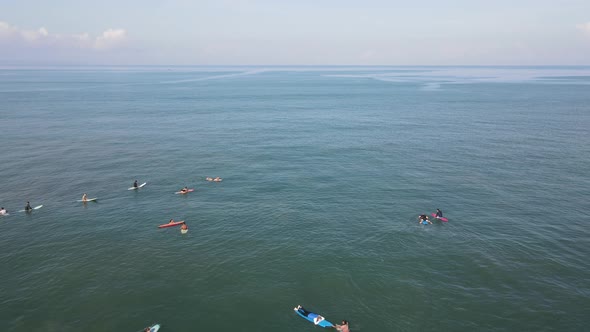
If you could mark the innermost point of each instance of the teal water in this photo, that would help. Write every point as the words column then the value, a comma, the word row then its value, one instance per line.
column 325, row 170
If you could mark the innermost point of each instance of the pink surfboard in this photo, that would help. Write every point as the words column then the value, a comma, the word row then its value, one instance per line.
column 441, row 218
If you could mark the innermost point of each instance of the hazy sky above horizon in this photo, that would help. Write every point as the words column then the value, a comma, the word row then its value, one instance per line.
column 265, row 32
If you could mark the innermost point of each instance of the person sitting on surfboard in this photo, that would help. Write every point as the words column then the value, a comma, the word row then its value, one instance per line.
column 28, row 207
column 135, row 184
column 439, row 213
column 84, row 198
column 343, row 327
column 424, row 220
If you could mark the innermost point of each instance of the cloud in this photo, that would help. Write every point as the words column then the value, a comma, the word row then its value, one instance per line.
column 584, row 27
column 110, row 38
column 42, row 38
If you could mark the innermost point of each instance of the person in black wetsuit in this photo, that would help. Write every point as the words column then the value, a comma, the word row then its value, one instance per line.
column 439, row 213
column 302, row 310
column 28, row 207
column 135, row 184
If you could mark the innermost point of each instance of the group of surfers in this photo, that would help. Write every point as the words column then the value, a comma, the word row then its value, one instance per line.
column 425, row 220
column 184, row 190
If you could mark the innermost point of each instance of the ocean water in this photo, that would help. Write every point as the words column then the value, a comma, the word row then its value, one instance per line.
column 325, row 170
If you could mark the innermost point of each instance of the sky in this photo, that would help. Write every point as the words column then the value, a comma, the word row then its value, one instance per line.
column 298, row 32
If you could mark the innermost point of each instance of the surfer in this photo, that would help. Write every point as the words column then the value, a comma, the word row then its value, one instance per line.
column 209, row 179
column 439, row 213
column 3, row 211
column 184, row 190
column 84, row 198
column 343, row 327
column 217, row 179
column 171, row 221
column 306, row 313
column 28, row 207
column 135, row 184
column 424, row 219
column 184, row 227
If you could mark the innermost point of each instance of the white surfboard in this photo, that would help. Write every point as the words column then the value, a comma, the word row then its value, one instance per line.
column 35, row 208
column 88, row 200
column 140, row 186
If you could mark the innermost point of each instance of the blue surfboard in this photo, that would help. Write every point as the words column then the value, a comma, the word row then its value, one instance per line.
column 310, row 316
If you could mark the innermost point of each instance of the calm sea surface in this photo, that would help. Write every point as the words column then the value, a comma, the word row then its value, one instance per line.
column 325, row 171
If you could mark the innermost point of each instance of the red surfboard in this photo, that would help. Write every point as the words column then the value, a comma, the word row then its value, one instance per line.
column 172, row 224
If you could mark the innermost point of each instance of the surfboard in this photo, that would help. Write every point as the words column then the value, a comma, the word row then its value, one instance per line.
column 181, row 193
column 441, row 218
column 88, row 200
column 171, row 224
column 310, row 316
column 35, row 208
column 184, row 231
column 140, row 186
column 154, row 328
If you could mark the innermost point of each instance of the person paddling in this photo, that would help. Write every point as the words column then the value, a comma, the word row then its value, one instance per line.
column 424, row 220
column 184, row 190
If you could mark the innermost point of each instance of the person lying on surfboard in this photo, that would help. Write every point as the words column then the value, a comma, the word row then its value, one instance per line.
column 439, row 213
column 424, row 219
column 316, row 320
column 171, row 221
column 28, row 207
column 217, row 179
column 343, row 327
column 184, row 190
